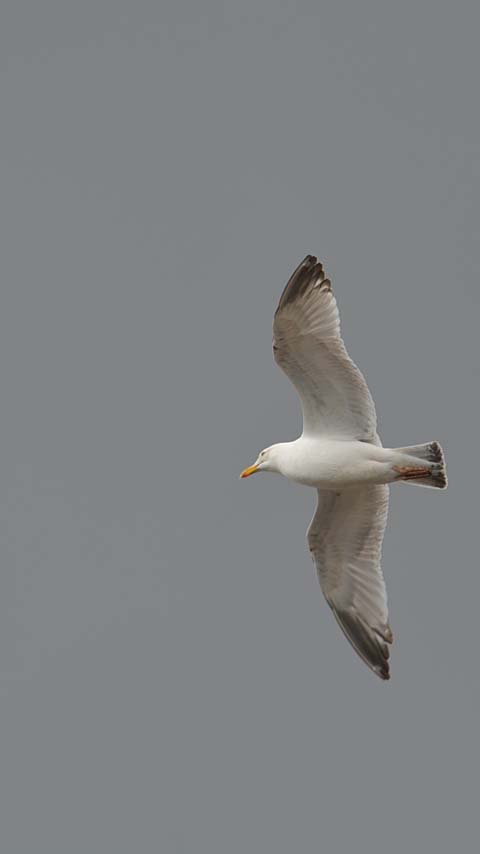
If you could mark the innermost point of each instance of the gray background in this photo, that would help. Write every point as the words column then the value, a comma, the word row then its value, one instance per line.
column 171, row 679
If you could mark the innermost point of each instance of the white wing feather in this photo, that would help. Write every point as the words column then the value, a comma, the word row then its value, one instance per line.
column 308, row 347
column 345, row 539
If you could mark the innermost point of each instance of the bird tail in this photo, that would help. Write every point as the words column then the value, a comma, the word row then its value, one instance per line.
column 423, row 465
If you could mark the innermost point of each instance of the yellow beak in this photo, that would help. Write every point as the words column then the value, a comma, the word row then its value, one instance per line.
column 250, row 470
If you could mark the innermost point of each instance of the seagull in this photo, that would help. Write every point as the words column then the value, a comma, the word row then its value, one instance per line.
column 339, row 453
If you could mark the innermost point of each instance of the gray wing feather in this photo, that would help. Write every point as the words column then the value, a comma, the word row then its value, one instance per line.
column 308, row 346
column 345, row 539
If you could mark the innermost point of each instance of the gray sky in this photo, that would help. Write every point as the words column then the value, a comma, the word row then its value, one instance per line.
column 170, row 677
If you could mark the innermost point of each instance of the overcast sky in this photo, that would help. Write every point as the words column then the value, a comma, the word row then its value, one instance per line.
column 171, row 679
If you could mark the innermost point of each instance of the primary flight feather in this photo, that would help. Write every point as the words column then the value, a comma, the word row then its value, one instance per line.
column 340, row 454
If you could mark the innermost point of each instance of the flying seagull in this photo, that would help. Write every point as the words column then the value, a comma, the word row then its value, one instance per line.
column 340, row 454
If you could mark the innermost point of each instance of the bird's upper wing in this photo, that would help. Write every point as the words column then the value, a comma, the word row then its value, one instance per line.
column 345, row 540
column 308, row 346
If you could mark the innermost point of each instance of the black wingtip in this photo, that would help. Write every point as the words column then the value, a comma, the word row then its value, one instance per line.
column 309, row 271
column 366, row 641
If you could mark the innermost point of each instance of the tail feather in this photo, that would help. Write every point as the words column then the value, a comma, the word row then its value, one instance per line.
column 414, row 470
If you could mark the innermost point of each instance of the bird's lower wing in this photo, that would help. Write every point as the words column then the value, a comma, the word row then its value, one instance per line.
column 345, row 539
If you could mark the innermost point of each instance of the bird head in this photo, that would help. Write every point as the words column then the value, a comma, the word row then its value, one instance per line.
column 266, row 461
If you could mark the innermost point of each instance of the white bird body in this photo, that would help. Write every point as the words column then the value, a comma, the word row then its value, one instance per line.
column 335, row 463
column 340, row 454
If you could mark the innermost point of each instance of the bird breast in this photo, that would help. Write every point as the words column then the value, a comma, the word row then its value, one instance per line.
column 328, row 463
